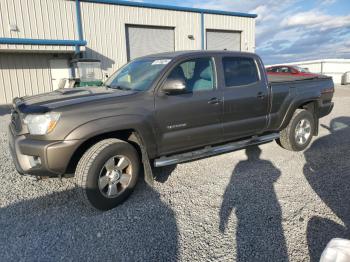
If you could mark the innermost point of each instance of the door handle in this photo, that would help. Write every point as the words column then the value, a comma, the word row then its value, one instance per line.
column 260, row 95
column 214, row 101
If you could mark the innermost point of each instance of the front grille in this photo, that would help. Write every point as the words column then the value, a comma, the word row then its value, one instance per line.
column 16, row 121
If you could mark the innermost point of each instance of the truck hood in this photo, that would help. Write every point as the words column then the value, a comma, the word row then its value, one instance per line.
column 46, row 102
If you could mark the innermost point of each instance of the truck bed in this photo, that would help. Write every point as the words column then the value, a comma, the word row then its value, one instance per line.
column 291, row 78
column 288, row 91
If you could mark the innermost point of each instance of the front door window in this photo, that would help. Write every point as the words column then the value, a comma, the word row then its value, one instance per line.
column 198, row 74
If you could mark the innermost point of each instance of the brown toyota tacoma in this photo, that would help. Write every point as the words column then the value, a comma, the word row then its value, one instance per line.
column 161, row 110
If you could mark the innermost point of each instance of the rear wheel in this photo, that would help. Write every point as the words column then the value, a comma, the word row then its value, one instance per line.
column 107, row 173
column 298, row 134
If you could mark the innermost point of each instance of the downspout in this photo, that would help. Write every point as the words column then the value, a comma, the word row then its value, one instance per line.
column 202, row 30
column 79, row 25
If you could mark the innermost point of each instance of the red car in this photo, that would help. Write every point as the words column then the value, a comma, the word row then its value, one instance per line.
column 289, row 70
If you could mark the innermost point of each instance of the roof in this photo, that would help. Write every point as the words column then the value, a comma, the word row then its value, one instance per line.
column 281, row 65
column 171, row 7
column 175, row 54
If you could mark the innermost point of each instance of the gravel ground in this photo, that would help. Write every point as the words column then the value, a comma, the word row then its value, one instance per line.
column 263, row 204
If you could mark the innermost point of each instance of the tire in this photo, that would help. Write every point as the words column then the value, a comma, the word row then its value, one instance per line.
column 290, row 139
column 102, row 177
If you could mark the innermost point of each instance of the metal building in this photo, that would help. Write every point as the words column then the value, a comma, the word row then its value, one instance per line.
column 38, row 38
column 338, row 69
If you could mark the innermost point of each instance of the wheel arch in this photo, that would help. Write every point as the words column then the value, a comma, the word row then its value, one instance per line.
column 83, row 147
column 311, row 105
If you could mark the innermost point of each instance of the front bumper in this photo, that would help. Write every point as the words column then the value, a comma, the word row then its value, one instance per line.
column 54, row 155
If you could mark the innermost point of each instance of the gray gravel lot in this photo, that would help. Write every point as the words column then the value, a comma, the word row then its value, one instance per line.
column 273, row 205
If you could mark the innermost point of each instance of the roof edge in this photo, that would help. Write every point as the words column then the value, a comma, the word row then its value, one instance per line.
column 171, row 7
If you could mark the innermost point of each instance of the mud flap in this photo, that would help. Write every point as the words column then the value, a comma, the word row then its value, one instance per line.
column 317, row 125
column 148, row 173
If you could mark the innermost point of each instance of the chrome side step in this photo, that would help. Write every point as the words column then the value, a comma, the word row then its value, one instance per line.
column 213, row 150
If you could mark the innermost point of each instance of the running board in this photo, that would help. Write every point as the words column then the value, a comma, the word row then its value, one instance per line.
column 213, row 150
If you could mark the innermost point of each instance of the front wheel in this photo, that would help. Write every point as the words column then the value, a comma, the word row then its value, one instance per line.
column 298, row 134
column 107, row 173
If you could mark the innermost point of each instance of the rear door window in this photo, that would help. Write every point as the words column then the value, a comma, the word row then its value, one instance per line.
column 240, row 71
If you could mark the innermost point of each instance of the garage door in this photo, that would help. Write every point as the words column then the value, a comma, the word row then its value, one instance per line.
column 142, row 40
column 223, row 40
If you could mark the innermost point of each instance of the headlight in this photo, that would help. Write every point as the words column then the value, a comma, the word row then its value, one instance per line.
column 41, row 124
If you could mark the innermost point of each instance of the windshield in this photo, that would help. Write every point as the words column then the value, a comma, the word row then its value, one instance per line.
column 89, row 71
column 137, row 75
column 303, row 70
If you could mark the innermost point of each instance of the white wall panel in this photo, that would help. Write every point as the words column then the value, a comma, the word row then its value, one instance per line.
column 314, row 68
column 23, row 74
column 336, row 67
column 38, row 19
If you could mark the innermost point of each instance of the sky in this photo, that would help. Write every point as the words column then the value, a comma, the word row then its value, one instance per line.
column 290, row 30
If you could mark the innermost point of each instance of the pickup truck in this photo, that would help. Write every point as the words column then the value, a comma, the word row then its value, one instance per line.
column 161, row 110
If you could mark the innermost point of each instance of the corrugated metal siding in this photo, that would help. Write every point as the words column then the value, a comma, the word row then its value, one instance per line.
column 23, row 74
column 38, row 19
column 104, row 30
column 233, row 23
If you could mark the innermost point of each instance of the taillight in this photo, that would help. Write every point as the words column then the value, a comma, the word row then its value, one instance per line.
column 327, row 90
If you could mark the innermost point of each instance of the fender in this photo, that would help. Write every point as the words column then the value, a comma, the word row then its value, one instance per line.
column 297, row 103
column 138, row 123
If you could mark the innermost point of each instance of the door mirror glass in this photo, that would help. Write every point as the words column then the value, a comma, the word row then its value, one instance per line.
column 174, row 86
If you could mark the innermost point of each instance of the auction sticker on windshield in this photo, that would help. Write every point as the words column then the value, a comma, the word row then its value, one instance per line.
column 161, row 62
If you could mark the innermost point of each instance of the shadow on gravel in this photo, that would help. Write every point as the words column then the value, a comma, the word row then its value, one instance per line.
column 58, row 227
column 327, row 170
column 259, row 232
column 4, row 110
column 161, row 174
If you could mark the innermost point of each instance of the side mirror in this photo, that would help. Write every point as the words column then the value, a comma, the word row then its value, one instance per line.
column 174, row 86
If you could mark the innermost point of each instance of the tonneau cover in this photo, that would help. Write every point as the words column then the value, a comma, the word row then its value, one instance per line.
column 291, row 78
